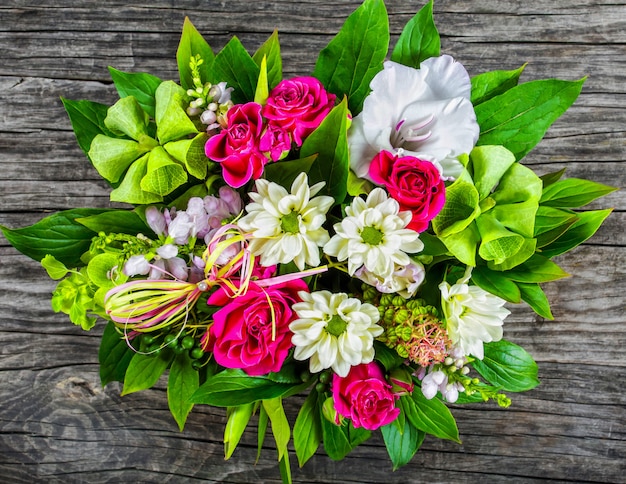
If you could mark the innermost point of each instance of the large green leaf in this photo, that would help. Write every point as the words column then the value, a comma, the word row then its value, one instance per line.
column 307, row 431
column 114, row 355
column 234, row 65
column 129, row 190
column 401, row 444
column 330, row 143
column 170, row 115
column 534, row 296
column 182, row 382
column 230, row 388
column 489, row 163
column 430, row 416
column 112, row 156
column 573, row 193
column 280, row 425
column 419, row 39
column 145, row 370
column 537, row 269
column 285, row 172
column 461, row 208
column 496, row 283
column 126, row 117
column 237, row 421
column 87, row 120
column 351, row 60
column 116, row 221
column 191, row 45
column 339, row 440
column 586, row 225
column 490, row 84
column 59, row 235
column 163, row 174
column 271, row 51
column 508, row 366
column 518, row 118
column 141, row 86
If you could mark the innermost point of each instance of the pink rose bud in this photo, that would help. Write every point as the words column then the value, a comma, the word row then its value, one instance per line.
column 401, row 382
column 329, row 412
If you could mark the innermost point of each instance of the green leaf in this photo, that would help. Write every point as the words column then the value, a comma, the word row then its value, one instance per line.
column 586, row 225
column 497, row 242
column 550, row 178
column 129, row 190
column 430, row 416
column 491, row 84
column 551, row 223
column 495, row 283
column 141, row 86
column 463, row 244
column 170, row 115
column 280, row 426
column 55, row 269
column 339, row 440
column 271, row 51
column 112, row 156
column 145, row 370
column 59, row 235
column 490, row 163
column 518, row 118
column 87, row 120
column 237, row 421
column 163, row 174
column 285, row 172
column 508, row 366
column 262, row 430
column 419, row 39
column 307, row 431
column 192, row 44
column 536, row 269
column 114, row 355
column 190, row 152
column 573, row 193
column 461, row 207
column 234, row 65
column 536, row 299
column 358, row 186
column 262, row 88
column 182, row 382
column 230, row 388
column 387, row 357
column 401, row 444
column 330, row 142
column 100, row 266
column 350, row 61
column 126, row 117
column 526, row 251
column 117, row 222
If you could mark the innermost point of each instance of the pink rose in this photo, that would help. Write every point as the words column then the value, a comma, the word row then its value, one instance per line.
column 365, row 397
column 275, row 142
column 415, row 184
column 298, row 106
column 241, row 335
column 236, row 147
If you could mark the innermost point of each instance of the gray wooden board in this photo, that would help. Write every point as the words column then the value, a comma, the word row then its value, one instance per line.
column 57, row 424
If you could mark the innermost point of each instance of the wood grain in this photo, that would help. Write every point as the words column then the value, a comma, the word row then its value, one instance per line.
column 57, row 424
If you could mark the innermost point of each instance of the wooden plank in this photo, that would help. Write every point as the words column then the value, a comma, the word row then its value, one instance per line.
column 57, row 424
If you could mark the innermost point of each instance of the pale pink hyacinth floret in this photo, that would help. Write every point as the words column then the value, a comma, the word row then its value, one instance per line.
column 425, row 113
column 374, row 235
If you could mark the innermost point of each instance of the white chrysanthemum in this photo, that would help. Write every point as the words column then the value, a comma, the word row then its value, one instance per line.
column 423, row 112
column 286, row 226
column 334, row 331
column 473, row 315
column 374, row 235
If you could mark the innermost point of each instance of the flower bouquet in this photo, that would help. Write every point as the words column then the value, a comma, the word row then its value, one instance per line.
column 351, row 236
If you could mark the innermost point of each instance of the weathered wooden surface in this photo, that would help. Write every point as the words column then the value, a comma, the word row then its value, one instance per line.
column 56, row 422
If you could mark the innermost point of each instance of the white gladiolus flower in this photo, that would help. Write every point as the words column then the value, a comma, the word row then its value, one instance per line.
column 423, row 112
column 374, row 234
column 473, row 315
column 286, row 226
column 334, row 331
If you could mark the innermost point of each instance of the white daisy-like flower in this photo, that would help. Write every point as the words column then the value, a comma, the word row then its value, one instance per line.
column 374, row 235
column 334, row 331
column 473, row 315
column 286, row 226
